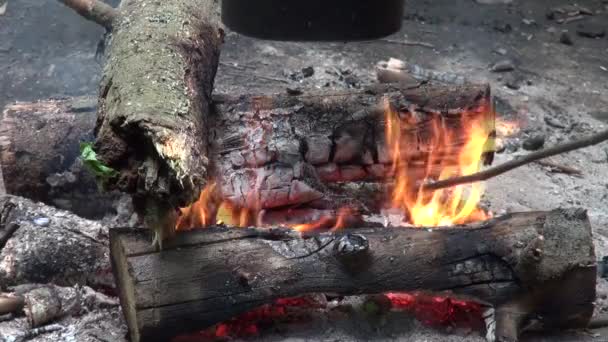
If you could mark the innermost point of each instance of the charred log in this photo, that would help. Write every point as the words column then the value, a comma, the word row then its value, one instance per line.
column 273, row 151
column 50, row 245
column 154, row 103
column 529, row 267
column 39, row 154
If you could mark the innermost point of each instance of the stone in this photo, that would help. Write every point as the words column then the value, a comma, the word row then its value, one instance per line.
column 591, row 31
column 308, row 71
column 553, row 122
column 566, row 39
column 503, row 66
column 42, row 221
column 534, row 142
column 513, row 82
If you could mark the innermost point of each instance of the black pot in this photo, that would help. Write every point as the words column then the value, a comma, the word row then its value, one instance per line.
column 313, row 20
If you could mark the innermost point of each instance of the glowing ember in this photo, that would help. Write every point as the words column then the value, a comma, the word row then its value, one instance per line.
column 439, row 311
column 457, row 205
column 249, row 324
column 431, row 310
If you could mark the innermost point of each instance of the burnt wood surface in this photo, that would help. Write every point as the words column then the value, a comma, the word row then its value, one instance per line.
column 41, row 244
column 319, row 150
column 273, row 151
column 39, row 154
column 536, row 266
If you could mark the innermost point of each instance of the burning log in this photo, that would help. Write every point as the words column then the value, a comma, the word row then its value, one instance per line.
column 282, row 150
column 535, row 268
column 39, row 154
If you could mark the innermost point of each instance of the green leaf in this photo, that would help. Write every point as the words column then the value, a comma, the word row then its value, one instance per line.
column 89, row 158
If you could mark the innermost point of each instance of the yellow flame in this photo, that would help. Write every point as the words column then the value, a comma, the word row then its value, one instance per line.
column 442, row 207
column 451, row 151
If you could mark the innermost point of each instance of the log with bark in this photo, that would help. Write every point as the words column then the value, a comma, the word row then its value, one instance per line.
column 534, row 269
column 274, row 151
column 154, row 103
column 309, row 145
column 39, row 154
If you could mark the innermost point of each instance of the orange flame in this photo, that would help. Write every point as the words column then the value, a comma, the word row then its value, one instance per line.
column 200, row 213
column 442, row 207
column 444, row 154
column 334, row 223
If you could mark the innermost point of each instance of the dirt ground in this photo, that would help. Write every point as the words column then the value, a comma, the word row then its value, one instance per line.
column 558, row 91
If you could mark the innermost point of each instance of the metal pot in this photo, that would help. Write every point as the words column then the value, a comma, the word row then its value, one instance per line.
column 313, row 20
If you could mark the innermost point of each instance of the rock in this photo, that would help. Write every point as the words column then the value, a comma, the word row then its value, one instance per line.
column 293, row 91
column 352, row 81
column 503, row 66
column 503, row 27
column 553, row 122
column 565, row 39
column 308, row 71
column 528, row 22
column 42, row 221
column 591, row 31
column 513, row 83
column 534, row 142
column 501, row 51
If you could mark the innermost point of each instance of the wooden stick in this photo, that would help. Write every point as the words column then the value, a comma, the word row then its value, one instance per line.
column 523, row 264
column 10, row 304
column 560, row 168
column 94, row 10
column 517, row 162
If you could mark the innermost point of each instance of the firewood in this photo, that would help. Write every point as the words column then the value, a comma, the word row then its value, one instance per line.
column 330, row 138
column 39, row 154
column 94, row 10
column 154, row 102
column 278, row 150
column 527, row 266
column 50, row 245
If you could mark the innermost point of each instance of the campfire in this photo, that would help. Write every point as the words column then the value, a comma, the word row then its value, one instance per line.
column 440, row 146
column 420, row 146
column 274, row 206
column 346, row 206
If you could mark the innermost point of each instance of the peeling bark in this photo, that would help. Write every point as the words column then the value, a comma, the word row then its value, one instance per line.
column 154, row 103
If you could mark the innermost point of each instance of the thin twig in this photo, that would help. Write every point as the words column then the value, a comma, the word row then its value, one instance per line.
column 28, row 335
column 560, row 168
column 10, row 229
column 10, row 304
column 409, row 43
column 94, row 10
column 517, row 162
